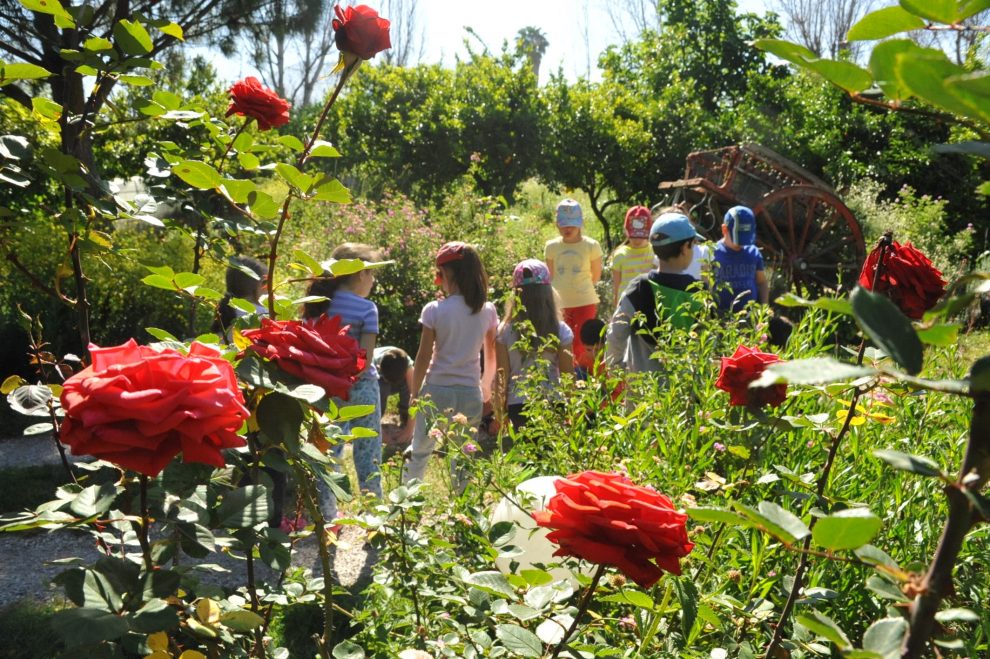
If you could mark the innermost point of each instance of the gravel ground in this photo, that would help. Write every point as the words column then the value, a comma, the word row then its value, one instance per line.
column 26, row 568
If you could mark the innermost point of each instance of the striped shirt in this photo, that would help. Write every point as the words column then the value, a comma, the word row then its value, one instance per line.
column 629, row 262
column 362, row 316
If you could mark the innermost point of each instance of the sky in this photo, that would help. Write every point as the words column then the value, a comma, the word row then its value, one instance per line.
column 577, row 31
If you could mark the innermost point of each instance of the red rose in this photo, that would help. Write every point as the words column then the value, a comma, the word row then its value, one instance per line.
column 606, row 519
column 908, row 278
column 138, row 407
column 250, row 98
column 319, row 352
column 743, row 367
column 360, row 31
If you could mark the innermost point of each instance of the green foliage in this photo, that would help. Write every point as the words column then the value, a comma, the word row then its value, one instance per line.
column 25, row 632
column 25, row 488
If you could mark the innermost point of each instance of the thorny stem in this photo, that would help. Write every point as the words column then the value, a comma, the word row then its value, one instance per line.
column 651, row 631
column 582, row 609
column 820, row 486
column 303, row 157
column 309, row 497
column 230, row 146
column 414, row 591
column 142, row 527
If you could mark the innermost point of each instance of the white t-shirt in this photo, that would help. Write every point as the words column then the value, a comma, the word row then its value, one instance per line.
column 520, row 365
column 702, row 261
column 460, row 335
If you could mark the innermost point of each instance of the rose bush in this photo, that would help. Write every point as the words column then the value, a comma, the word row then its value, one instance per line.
column 250, row 98
column 320, row 352
column 360, row 31
column 743, row 367
column 605, row 518
column 907, row 277
column 138, row 407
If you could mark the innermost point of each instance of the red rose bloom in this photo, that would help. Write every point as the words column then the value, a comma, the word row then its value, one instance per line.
column 250, row 98
column 360, row 31
column 606, row 519
column 908, row 278
column 743, row 367
column 138, row 407
column 319, row 352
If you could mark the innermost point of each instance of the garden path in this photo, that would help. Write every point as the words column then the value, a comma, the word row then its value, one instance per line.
column 26, row 559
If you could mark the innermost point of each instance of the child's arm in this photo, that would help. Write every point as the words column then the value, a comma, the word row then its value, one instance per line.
column 596, row 270
column 550, row 268
column 565, row 359
column 423, row 358
column 762, row 287
column 618, row 335
column 367, row 342
column 488, row 375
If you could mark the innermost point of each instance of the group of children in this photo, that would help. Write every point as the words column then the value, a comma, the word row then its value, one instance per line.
column 549, row 322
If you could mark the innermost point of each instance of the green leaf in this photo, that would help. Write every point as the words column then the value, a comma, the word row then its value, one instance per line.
column 940, row 11
column 957, row 615
column 323, row 149
column 244, row 507
column 819, row 370
column 88, row 626
column 348, row 650
column 311, row 264
column 491, row 582
column 718, row 515
column 292, row 142
column 888, row 328
column 883, row 23
column 940, row 335
column 636, row 598
column 132, row 37
column 926, row 72
column 883, row 66
column 821, row 624
column 242, row 620
column 885, row 637
column 94, row 500
column 846, row 529
column 156, row 615
column 786, row 50
column 884, row 588
column 294, row 177
column 52, row 8
column 967, row 8
column 136, row 81
column 197, row 174
column 280, row 417
column 519, row 640
column 30, row 400
column 172, row 30
column 239, row 190
column 687, row 595
column 774, row 520
column 845, row 75
column 916, row 464
column 21, row 71
column 333, row 191
column 167, row 100
column 354, row 412
column 159, row 281
column 835, row 305
column 248, row 161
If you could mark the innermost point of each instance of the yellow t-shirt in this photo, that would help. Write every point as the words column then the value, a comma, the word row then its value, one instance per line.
column 572, row 270
column 628, row 262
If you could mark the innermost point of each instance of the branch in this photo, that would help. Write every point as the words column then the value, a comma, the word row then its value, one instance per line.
column 17, row 94
column 939, row 116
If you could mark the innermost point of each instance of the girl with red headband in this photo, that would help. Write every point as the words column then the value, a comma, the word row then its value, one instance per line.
column 447, row 370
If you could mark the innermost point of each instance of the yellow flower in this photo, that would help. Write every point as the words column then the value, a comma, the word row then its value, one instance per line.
column 862, row 413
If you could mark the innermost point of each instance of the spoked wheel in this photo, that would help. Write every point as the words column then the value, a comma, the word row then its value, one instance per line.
column 809, row 239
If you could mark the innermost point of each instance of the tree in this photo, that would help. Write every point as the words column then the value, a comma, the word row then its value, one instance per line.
column 821, row 25
column 532, row 43
column 407, row 35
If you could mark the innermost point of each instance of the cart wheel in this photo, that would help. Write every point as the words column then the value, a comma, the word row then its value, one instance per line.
column 809, row 239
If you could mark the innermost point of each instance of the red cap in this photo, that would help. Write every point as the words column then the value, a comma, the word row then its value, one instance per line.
column 638, row 221
column 450, row 252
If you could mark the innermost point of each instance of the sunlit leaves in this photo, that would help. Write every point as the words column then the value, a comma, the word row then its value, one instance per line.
column 20, row 71
column 884, row 23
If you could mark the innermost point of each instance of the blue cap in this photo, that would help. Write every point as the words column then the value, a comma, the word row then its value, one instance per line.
column 741, row 224
column 671, row 228
column 569, row 214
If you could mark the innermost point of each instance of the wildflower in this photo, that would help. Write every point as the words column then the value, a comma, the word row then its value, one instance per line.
column 718, row 446
column 469, row 448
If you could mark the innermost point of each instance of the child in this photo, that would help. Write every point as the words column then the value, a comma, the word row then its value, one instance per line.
column 347, row 297
column 672, row 237
column 739, row 278
column 395, row 376
column 575, row 263
column 447, row 369
column 635, row 256
column 516, row 355
column 240, row 284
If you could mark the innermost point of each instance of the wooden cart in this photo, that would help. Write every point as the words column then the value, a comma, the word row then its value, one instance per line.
column 808, row 237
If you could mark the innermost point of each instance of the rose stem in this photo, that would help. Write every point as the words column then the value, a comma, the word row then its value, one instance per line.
column 309, row 497
column 273, row 252
column 785, row 613
column 651, row 631
column 143, row 527
column 230, row 146
column 582, row 608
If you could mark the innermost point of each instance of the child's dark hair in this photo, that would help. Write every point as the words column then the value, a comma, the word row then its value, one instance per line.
column 327, row 285
column 393, row 366
column 468, row 272
column 240, row 284
column 671, row 251
column 591, row 331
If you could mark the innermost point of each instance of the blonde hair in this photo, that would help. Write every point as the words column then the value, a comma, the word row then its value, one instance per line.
column 326, row 285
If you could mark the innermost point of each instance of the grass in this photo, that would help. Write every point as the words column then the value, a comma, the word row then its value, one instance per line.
column 26, row 632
